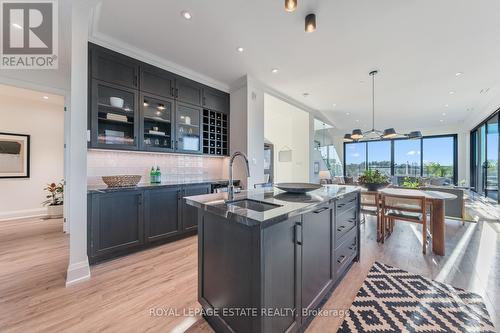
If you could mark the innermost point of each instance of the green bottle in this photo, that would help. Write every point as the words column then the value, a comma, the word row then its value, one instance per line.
column 152, row 175
column 158, row 175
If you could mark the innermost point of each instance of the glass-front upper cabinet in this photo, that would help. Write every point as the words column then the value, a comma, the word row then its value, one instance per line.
column 114, row 116
column 157, row 123
column 188, row 128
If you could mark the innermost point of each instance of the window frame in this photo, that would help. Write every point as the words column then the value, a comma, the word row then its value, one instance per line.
column 455, row 153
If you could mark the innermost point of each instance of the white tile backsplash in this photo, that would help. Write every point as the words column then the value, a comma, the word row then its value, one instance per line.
column 173, row 167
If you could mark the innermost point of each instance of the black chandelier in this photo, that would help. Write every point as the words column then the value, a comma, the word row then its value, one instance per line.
column 374, row 134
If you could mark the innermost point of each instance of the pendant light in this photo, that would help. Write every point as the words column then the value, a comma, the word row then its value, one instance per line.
column 310, row 23
column 374, row 134
column 290, row 5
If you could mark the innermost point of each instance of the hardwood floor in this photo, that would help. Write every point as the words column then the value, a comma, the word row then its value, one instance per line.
column 120, row 294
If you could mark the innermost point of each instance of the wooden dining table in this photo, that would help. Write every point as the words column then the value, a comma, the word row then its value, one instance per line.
column 437, row 201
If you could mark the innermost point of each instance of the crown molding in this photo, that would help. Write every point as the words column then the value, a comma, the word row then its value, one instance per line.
column 116, row 45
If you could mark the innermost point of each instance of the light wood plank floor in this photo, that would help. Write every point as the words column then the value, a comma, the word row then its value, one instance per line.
column 120, row 294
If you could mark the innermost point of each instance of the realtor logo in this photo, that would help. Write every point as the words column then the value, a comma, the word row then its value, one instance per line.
column 29, row 34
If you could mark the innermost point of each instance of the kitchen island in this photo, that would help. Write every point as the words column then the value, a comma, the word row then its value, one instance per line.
column 267, row 259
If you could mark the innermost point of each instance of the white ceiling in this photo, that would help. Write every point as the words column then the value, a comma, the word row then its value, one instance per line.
column 417, row 45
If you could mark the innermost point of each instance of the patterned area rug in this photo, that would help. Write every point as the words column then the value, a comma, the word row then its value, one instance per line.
column 393, row 300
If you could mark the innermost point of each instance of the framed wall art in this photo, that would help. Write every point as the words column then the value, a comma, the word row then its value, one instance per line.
column 14, row 155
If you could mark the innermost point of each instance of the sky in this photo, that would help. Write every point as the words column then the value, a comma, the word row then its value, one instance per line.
column 438, row 150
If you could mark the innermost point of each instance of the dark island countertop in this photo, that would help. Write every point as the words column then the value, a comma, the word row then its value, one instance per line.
column 287, row 205
column 103, row 188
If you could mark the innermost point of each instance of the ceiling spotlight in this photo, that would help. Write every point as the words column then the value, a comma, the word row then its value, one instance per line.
column 240, row 49
column 187, row 15
column 457, row 74
column 452, row 92
column 274, row 70
column 310, row 23
column 45, row 97
column 146, row 103
column 290, row 5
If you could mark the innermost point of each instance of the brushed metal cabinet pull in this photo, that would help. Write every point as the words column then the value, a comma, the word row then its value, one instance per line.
column 320, row 210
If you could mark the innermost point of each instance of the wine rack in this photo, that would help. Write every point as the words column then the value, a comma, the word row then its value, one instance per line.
column 215, row 133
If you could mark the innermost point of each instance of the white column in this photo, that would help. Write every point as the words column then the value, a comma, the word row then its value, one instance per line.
column 78, row 268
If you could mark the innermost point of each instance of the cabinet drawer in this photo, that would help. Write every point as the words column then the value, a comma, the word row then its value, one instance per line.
column 345, row 253
column 344, row 222
column 346, row 203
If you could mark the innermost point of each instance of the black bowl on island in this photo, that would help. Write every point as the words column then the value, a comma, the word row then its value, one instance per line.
column 373, row 187
column 298, row 188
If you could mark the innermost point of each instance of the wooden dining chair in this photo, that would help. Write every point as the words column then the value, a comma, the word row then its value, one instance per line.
column 370, row 205
column 404, row 208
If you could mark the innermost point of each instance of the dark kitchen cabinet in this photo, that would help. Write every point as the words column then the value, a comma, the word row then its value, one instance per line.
column 282, row 275
column 161, row 213
column 215, row 100
column 157, row 123
column 317, row 255
column 188, row 131
column 136, row 106
column 188, row 91
column 157, row 81
column 113, row 67
column 189, row 213
column 114, row 119
column 116, row 223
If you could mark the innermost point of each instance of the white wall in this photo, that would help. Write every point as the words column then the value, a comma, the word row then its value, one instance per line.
column 287, row 126
column 26, row 112
column 247, row 129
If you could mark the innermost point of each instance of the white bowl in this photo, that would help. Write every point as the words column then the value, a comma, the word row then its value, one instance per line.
column 117, row 102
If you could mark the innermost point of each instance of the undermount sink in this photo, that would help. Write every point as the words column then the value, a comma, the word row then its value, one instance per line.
column 258, row 206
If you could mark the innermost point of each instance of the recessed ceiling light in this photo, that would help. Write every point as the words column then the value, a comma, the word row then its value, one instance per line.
column 187, row 15
column 457, row 74
column 452, row 92
column 240, row 49
column 310, row 23
column 17, row 26
column 274, row 70
column 444, row 113
column 45, row 97
column 290, row 5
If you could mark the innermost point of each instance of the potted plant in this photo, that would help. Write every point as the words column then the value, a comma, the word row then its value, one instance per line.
column 373, row 180
column 412, row 183
column 54, row 200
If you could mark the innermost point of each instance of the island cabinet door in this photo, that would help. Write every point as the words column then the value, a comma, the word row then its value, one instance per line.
column 116, row 223
column 281, row 276
column 190, row 213
column 317, row 248
column 161, row 213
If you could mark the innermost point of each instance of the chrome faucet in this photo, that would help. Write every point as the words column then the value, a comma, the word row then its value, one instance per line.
column 230, row 188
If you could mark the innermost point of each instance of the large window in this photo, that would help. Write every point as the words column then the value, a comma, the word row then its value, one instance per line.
column 379, row 156
column 355, row 159
column 407, row 158
column 432, row 156
column 438, row 162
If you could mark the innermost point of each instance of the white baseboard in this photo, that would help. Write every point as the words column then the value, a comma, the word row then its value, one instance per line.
column 23, row 214
column 78, row 272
